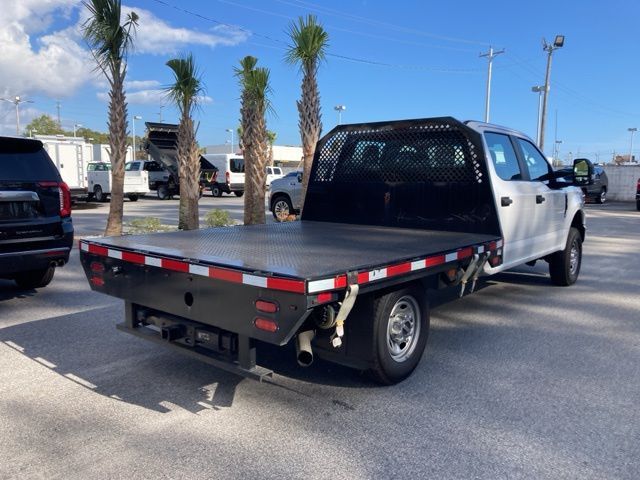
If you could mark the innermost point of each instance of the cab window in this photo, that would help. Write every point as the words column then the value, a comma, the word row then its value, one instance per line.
column 132, row 166
column 536, row 164
column 503, row 156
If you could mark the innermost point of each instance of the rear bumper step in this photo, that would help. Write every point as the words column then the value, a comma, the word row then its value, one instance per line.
column 244, row 365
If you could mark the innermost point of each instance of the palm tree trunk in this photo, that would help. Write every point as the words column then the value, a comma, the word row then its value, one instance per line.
column 189, row 158
column 310, row 124
column 118, row 144
column 256, row 151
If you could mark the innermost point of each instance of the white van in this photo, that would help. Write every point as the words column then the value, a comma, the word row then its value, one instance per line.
column 230, row 176
column 136, row 181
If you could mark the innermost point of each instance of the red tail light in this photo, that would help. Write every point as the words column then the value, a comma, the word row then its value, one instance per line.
column 65, row 196
column 266, row 325
column 97, row 281
column 266, row 307
column 638, row 186
column 228, row 177
column 97, row 267
column 65, row 200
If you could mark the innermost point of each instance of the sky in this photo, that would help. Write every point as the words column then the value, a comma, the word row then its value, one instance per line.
column 385, row 61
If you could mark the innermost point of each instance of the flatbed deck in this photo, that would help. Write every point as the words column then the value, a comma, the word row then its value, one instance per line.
column 302, row 250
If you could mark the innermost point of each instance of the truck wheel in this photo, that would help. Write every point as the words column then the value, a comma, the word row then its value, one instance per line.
column 35, row 278
column 602, row 197
column 163, row 192
column 401, row 328
column 281, row 208
column 239, row 194
column 133, row 198
column 564, row 266
column 638, row 205
column 216, row 191
column 98, row 194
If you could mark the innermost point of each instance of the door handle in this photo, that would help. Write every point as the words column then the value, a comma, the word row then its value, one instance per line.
column 506, row 201
column 540, row 198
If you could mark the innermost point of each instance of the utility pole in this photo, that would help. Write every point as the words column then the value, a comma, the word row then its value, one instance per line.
column 160, row 112
column 539, row 89
column 58, row 109
column 491, row 54
column 230, row 130
column 549, row 48
column 133, row 142
column 340, row 109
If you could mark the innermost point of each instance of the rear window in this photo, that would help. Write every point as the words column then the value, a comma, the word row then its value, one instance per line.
column 135, row 166
column 237, row 165
column 25, row 161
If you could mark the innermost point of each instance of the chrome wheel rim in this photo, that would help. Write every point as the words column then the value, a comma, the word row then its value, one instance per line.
column 603, row 196
column 281, row 209
column 574, row 258
column 403, row 328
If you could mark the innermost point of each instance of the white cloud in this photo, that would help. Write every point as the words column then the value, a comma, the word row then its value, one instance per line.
column 154, row 36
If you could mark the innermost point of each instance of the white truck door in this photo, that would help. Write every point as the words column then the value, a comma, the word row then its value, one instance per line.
column 549, row 203
column 515, row 198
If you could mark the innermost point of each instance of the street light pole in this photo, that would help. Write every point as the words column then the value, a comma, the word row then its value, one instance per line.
column 76, row 126
column 340, row 109
column 632, row 130
column 133, row 131
column 491, row 54
column 17, row 101
column 538, row 89
column 230, row 130
column 549, row 48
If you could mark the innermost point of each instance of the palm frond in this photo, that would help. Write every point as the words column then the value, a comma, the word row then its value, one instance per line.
column 309, row 41
column 187, row 89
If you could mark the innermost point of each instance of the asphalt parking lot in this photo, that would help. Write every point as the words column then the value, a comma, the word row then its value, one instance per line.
column 519, row 380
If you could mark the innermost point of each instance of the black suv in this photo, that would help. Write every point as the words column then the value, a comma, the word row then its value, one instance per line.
column 36, row 231
column 598, row 189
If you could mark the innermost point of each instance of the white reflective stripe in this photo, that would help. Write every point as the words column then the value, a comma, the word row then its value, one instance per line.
column 253, row 280
column 320, row 285
column 499, row 243
column 418, row 265
column 377, row 274
column 84, row 246
column 153, row 261
column 199, row 270
column 114, row 254
column 481, row 249
column 450, row 257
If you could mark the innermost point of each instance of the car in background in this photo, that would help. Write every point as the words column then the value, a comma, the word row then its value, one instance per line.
column 285, row 198
column 638, row 195
column 99, row 181
column 36, row 230
column 598, row 190
column 273, row 173
column 230, row 173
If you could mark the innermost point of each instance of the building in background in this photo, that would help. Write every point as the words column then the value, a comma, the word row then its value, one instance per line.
column 285, row 156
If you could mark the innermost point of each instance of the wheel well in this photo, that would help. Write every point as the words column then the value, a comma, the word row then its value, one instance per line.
column 578, row 223
column 278, row 195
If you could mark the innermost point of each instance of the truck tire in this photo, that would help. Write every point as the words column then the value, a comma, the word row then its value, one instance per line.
column 163, row 192
column 564, row 266
column 602, row 196
column 98, row 194
column 239, row 194
column 216, row 191
column 35, row 278
column 400, row 331
column 133, row 197
column 281, row 208
column 638, row 205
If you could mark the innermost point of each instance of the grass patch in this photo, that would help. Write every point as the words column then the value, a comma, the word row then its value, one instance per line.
column 138, row 226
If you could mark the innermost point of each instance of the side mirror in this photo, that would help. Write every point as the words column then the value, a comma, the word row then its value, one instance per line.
column 582, row 172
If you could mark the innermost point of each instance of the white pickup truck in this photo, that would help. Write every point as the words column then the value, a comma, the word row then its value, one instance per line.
column 392, row 210
column 136, row 181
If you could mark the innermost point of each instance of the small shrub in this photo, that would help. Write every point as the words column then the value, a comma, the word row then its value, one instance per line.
column 147, row 225
column 218, row 218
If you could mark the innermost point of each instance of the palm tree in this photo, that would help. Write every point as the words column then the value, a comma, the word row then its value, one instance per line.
column 254, row 83
column 271, row 137
column 110, row 42
column 185, row 93
column 309, row 40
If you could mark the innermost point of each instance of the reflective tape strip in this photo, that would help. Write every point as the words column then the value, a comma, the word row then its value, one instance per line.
column 321, row 285
column 153, row 261
column 199, row 270
column 254, row 280
column 84, row 247
column 450, row 257
column 117, row 254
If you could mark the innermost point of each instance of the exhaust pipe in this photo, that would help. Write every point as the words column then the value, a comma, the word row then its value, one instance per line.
column 304, row 354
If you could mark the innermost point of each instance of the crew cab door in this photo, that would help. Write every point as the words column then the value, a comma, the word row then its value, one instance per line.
column 514, row 197
column 550, row 204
